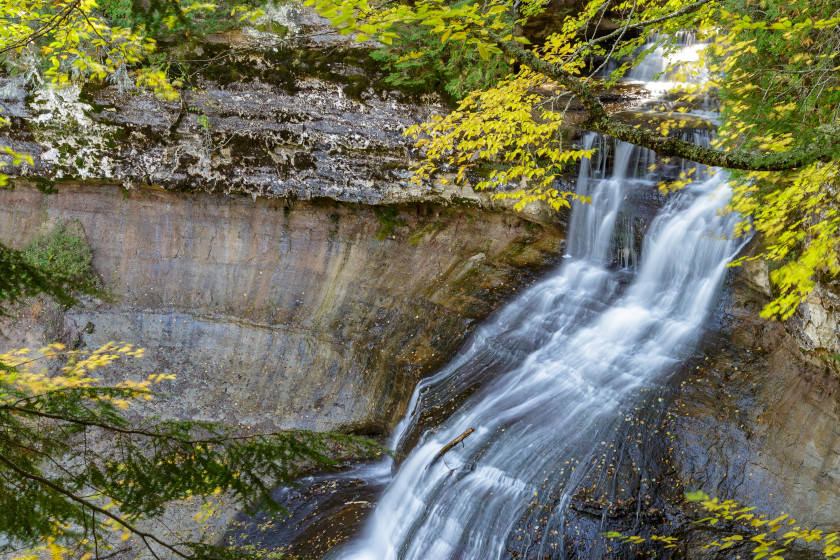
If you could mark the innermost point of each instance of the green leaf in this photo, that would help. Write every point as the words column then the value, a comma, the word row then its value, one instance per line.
column 697, row 496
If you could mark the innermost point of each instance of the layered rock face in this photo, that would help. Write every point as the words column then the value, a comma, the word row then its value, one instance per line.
column 317, row 315
column 261, row 235
column 313, row 121
column 303, row 137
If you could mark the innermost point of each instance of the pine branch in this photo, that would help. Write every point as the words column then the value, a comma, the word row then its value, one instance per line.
column 92, row 507
column 147, row 433
column 20, row 279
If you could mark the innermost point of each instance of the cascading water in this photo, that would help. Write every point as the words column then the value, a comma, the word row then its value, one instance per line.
column 657, row 69
column 553, row 374
column 589, row 348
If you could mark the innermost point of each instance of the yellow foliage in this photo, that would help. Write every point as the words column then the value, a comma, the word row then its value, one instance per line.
column 31, row 375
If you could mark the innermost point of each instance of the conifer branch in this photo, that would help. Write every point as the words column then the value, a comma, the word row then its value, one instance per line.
column 92, row 507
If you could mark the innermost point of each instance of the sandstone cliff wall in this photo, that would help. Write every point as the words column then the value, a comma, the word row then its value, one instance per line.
column 316, row 315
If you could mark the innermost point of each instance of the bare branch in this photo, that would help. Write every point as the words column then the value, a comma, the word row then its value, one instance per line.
column 690, row 8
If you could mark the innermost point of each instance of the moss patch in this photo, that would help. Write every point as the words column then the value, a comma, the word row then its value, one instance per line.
column 62, row 251
column 389, row 220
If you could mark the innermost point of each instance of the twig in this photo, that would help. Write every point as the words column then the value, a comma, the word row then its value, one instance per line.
column 451, row 444
column 52, row 24
column 94, row 508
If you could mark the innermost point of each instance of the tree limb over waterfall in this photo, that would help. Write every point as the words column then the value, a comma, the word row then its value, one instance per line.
column 774, row 73
column 826, row 146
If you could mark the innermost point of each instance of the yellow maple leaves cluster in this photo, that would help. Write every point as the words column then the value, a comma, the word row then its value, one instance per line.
column 27, row 371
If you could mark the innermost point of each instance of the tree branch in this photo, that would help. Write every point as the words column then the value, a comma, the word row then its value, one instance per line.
column 110, row 427
column 93, row 507
column 139, row 432
column 824, row 148
column 52, row 24
column 642, row 24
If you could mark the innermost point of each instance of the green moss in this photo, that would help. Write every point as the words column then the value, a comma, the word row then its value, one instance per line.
column 44, row 185
column 415, row 237
column 350, row 68
column 62, row 251
column 389, row 220
column 522, row 253
column 428, row 228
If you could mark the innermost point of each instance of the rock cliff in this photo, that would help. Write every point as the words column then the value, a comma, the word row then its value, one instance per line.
column 316, row 314
column 261, row 235
column 757, row 418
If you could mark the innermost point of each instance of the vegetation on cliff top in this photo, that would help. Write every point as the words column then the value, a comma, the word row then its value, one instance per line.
column 772, row 64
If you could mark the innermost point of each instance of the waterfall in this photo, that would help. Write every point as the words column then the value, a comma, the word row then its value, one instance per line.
column 555, row 372
column 665, row 65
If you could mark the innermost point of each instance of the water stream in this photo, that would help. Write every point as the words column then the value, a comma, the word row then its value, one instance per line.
column 548, row 381
column 557, row 369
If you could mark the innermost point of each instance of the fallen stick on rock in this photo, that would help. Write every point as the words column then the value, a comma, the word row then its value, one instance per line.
column 451, row 444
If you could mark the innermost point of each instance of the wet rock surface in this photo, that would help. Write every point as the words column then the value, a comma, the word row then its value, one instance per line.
column 758, row 420
column 753, row 416
column 323, row 511
column 318, row 315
